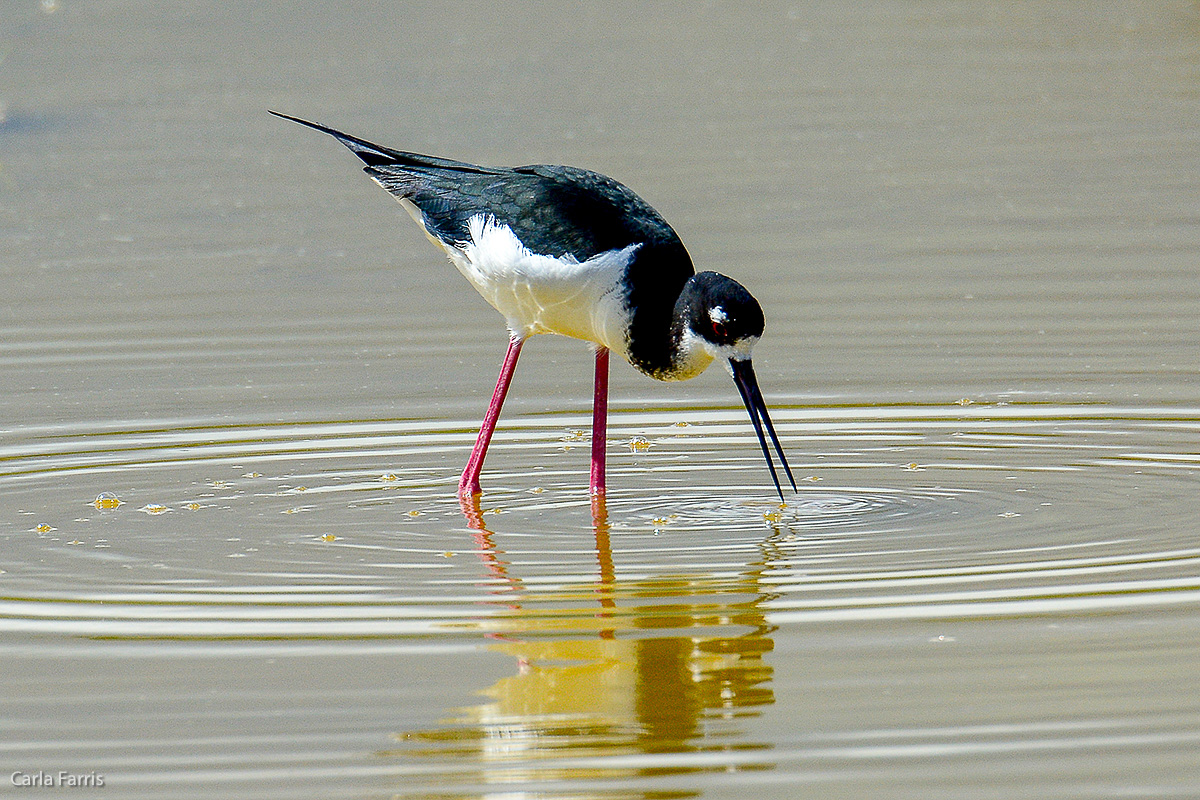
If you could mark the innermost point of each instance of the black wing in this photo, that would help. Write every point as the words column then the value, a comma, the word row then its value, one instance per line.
column 553, row 210
column 374, row 154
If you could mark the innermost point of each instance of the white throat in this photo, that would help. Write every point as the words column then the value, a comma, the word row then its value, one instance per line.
column 696, row 353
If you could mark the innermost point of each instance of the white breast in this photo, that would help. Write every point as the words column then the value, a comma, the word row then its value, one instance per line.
column 546, row 294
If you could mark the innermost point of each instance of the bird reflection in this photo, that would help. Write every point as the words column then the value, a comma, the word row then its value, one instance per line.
column 666, row 670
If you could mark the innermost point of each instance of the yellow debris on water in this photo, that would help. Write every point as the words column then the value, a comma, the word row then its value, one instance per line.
column 106, row 500
column 639, row 444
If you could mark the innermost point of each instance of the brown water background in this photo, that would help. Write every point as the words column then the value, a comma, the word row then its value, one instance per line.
column 973, row 228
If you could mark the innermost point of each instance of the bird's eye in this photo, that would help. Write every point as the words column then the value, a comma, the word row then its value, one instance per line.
column 718, row 329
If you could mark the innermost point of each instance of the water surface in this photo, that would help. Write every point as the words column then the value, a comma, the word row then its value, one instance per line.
column 239, row 388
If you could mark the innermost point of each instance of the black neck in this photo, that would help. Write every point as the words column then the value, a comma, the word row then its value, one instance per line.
column 656, row 278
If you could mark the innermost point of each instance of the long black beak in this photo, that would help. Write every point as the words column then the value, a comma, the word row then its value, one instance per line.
column 747, row 384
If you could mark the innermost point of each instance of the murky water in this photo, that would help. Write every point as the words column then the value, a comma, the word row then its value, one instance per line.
column 239, row 387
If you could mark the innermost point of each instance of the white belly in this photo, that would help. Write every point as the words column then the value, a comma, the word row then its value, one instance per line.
column 545, row 294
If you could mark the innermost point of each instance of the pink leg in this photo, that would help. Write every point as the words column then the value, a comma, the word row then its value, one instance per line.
column 468, row 484
column 599, row 421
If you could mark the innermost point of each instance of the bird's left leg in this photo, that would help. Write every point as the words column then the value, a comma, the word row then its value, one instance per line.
column 468, row 484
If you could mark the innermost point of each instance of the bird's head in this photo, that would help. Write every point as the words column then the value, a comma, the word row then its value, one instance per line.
column 721, row 320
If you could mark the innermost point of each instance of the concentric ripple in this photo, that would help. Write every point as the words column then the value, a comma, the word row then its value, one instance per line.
column 351, row 530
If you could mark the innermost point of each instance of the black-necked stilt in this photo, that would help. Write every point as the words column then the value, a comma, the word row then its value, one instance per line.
column 564, row 250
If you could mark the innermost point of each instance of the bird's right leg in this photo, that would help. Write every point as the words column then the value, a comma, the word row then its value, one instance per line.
column 599, row 422
column 468, row 484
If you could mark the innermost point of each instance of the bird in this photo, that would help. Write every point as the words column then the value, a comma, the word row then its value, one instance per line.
column 559, row 249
